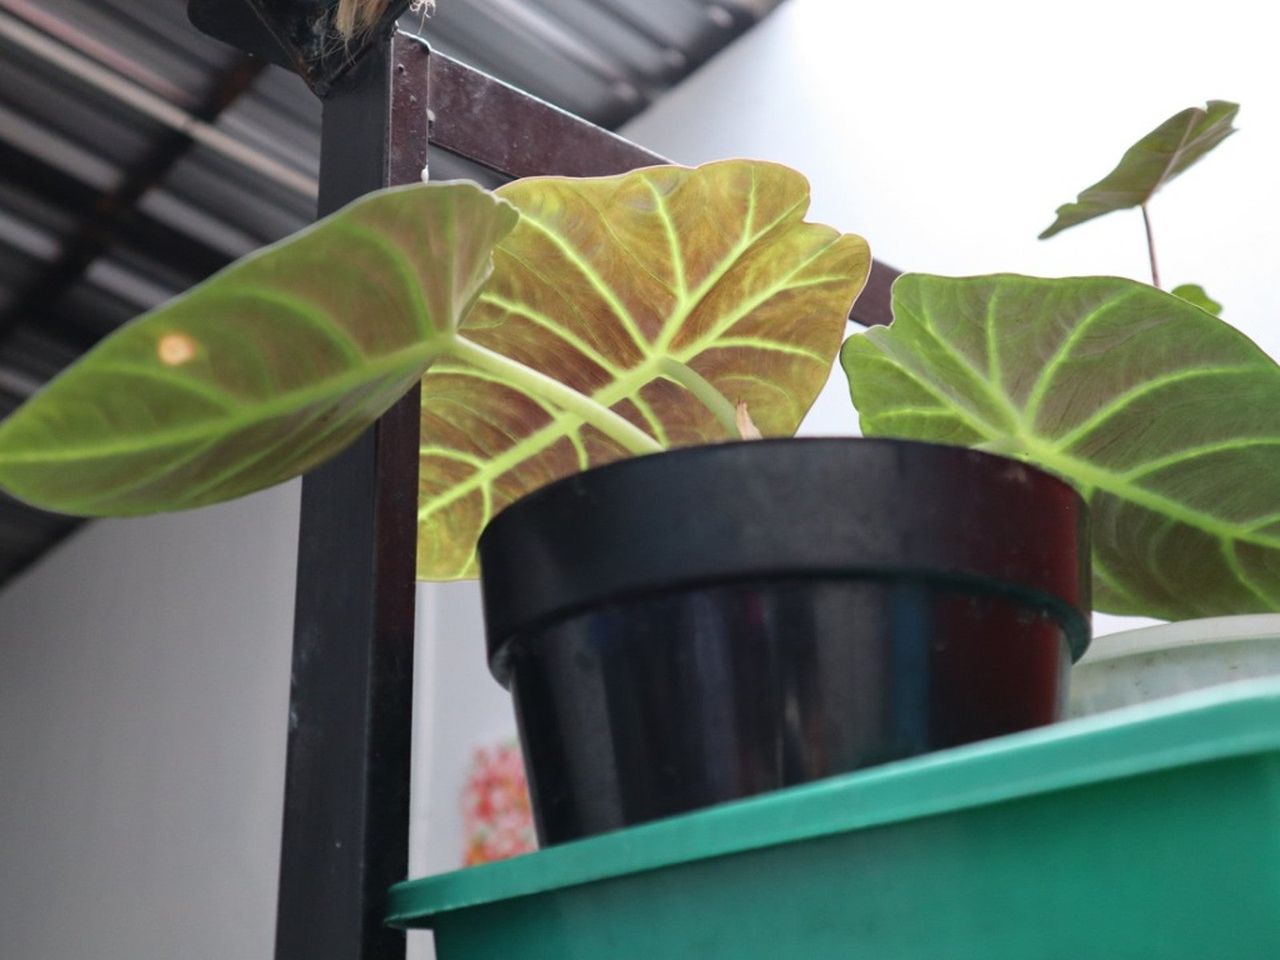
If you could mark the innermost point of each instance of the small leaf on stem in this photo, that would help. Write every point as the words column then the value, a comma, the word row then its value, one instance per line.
column 1150, row 163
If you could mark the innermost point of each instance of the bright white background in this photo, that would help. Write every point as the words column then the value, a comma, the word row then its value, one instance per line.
column 144, row 665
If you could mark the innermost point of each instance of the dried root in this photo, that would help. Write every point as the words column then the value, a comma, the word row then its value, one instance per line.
column 357, row 17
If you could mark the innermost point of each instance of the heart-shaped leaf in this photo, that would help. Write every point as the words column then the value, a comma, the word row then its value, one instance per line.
column 265, row 370
column 667, row 296
column 1194, row 293
column 1150, row 163
column 1164, row 417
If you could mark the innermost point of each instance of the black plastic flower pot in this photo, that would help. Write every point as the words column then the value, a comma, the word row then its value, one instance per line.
column 693, row 627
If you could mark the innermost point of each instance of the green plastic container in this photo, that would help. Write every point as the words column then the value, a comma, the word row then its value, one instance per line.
column 1146, row 834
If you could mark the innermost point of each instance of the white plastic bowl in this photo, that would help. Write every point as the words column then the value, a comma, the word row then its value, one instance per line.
column 1138, row 666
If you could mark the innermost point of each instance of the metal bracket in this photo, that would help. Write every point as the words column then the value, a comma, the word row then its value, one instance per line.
column 296, row 34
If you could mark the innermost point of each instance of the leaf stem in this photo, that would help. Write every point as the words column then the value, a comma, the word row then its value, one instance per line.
column 711, row 398
column 1151, row 247
column 537, row 384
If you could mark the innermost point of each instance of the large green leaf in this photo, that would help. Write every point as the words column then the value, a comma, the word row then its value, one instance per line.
column 633, row 290
column 264, row 371
column 1150, row 163
column 1164, row 417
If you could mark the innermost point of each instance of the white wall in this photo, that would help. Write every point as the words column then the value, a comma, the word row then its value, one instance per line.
column 947, row 134
column 459, row 707
column 144, row 681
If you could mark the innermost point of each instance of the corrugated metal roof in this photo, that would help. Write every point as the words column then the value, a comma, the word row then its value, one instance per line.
column 108, row 206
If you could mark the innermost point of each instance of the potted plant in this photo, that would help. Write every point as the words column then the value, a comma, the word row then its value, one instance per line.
column 676, row 629
column 1163, row 416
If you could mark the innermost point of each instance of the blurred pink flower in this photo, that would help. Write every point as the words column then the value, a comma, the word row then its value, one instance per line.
column 496, row 815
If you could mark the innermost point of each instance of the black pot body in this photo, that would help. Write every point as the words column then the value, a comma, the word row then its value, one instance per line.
column 653, row 693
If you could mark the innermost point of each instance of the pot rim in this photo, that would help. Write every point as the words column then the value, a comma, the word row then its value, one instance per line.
column 1180, row 634
column 701, row 449
column 786, row 507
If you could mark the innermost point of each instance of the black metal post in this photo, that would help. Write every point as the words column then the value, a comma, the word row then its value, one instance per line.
column 346, row 819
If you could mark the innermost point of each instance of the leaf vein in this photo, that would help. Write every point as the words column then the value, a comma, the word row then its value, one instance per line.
column 1038, row 390
column 1119, row 402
